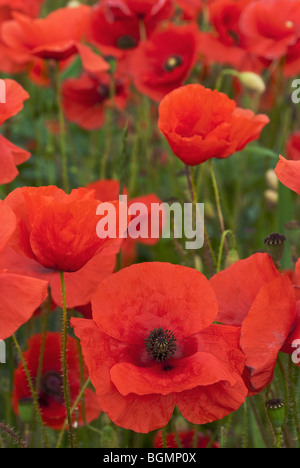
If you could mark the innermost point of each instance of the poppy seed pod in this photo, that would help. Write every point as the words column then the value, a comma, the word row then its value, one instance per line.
column 276, row 413
column 275, row 246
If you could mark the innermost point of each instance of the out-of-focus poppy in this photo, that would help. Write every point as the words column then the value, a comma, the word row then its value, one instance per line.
column 200, row 123
column 10, row 154
column 106, row 190
column 187, row 440
column 86, row 98
column 293, row 146
column 29, row 7
column 154, row 347
column 268, row 34
column 50, row 392
column 288, row 172
column 164, row 61
column 115, row 26
column 244, row 290
column 225, row 43
column 20, row 295
column 58, row 37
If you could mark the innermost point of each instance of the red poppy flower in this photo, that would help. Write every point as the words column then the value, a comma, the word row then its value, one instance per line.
column 191, row 8
column 225, row 43
column 187, row 440
column 115, row 25
column 200, row 124
column 293, row 146
column 155, row 347
column 20, row 295
column 58, row 36
column 106, row 190
column 54, row 231
column 244, row 290
column 11, row 155
column 50, row 393
column 269, row 34
column 162, row 63
column 30, row 7
column 288, row 172
column 86, row 98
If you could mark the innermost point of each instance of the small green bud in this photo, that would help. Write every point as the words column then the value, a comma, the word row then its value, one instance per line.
column 275, row 246
column 109, row 438
column 26, row 410
column 252, row 81
column 276, row 413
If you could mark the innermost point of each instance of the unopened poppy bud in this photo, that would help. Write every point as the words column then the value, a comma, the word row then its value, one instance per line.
column 231, row 258
column 109, row 438
column 272, row 179
column 26, row 410
column 275, row 246
column 252, row 81
column 276, row 413
column 271, row 197
column 73, row 4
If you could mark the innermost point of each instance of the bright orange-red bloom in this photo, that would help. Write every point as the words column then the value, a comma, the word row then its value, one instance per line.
column 10, row 154
column 164, row 61
column 200, row 124
column 244, row 290
column 151, row 345
column 58, row 36
column 58, row 231
column 86, row 98
column 30, row 7
column 288, row 172
column 19, row 294
column 50, row 392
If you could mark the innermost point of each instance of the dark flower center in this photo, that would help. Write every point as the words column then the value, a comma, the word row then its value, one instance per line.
column 52, row 386
column 126, row 42
column 174, row 61
column 160, row 344
column 103, row 91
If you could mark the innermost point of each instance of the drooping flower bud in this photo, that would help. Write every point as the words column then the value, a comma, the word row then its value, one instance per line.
column 252, row 81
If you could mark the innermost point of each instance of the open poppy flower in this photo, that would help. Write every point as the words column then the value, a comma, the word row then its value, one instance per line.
column 20, row 295
column 200, row 124
column 164, row 61
column 58, row 231
column 288, row 172
column 11, row 155
column 86, row 98
column 58, row 37
column 268, row 34
column 243, row 291
column 115, row 25
column 50, row 392
column 151, row 345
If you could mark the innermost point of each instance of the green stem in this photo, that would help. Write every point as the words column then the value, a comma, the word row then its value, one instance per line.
column 164, row 437
column 66, row 388
column 76, row 402
column 32, row 391
column 192, row 187
column 294, row 401
column 225, row 233
column 62, row 131
column 217, row 197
